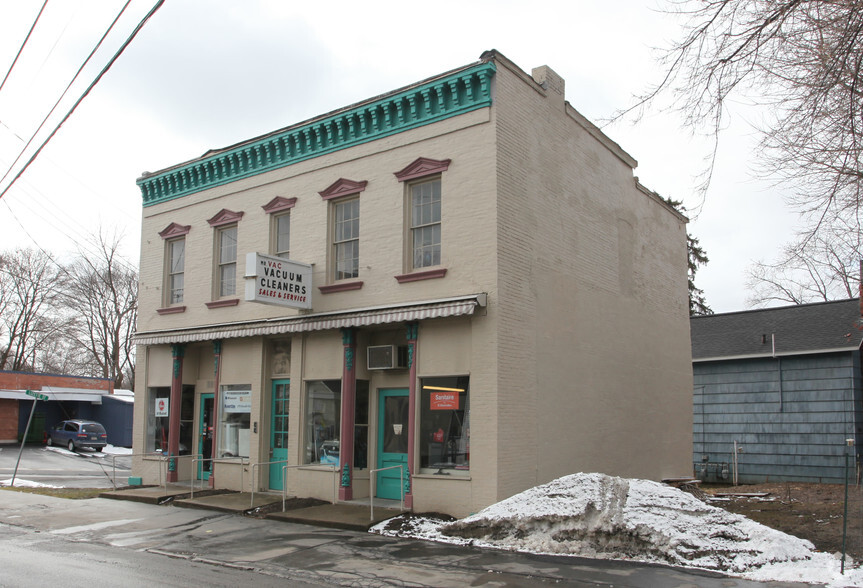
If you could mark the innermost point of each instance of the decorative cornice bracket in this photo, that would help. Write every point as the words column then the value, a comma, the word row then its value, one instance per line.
column 439, row 99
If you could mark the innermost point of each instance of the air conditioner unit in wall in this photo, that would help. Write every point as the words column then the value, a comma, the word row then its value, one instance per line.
column 387, row 357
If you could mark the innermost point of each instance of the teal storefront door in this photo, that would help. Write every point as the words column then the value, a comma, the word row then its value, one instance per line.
column 279, row 431
column 392, row 442
column 205, row 436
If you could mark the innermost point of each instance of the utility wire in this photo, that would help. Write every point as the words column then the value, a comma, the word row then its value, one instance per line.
column 84, row 242
column 119, row 52
column 63, row 95
column 82, row 239
column 122, row 262
column 27, row 38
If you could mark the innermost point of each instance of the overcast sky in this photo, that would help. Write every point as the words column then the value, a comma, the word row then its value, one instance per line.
column 204, row 74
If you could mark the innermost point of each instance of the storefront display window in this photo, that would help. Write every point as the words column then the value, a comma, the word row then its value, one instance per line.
column 159, row 421
column 445, row 423
column 235, row 411
column 322, row 421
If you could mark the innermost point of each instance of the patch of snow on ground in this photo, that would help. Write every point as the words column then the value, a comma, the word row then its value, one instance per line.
column 594, row 515
column 91, row 453
column 111, row 450
column 20, row 483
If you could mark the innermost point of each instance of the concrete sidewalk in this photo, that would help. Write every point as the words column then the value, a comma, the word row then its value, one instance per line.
column 355, row 516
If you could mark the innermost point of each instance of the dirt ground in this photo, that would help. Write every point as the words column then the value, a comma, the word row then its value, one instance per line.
column 809, row 511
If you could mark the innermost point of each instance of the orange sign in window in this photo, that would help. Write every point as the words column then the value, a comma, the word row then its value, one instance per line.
column 444, row 400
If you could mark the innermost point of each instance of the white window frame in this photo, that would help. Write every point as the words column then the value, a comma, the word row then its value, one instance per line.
column 278, row 219
column 173, row 234
column 226, row 267
column 173, row 274
column 340, row 242
column 427, row 223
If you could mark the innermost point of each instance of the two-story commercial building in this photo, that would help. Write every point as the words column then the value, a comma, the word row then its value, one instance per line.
column 461, row 277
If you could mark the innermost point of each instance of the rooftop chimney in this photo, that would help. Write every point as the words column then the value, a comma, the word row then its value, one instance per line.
column 551, row 82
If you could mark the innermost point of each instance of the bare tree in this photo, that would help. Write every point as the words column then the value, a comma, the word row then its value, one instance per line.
column 824, row 267
column 102, row 293
column 29, row 287
column 801, row 60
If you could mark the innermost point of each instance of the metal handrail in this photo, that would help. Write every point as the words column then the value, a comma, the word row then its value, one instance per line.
column 200, row 458
column 114, row 464
column 193, row 456
column 285, row 469
column 252, row 481
column 372, row 485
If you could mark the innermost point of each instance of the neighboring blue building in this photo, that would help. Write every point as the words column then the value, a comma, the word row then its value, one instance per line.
column 69, row 397
column 785, row 384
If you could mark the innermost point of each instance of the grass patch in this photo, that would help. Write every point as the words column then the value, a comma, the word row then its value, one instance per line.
column 72, row 493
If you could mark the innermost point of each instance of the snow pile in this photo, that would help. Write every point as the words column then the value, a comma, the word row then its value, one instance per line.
column 594, row 515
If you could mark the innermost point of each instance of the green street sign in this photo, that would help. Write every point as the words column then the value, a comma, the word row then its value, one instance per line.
column 36, row 395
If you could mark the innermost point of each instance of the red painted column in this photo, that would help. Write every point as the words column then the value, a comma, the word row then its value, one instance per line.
column 217, row 372
column 177, row 352
column 349, row 393
column 412, row 332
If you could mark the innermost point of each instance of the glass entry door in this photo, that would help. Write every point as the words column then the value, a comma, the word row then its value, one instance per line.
column 279, row 431
column 392, row 442
column 205, row 437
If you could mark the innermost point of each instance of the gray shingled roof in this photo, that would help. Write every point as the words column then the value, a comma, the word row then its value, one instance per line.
column 807, row 328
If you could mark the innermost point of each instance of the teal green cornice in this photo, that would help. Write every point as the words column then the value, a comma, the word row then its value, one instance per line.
column 442, row 98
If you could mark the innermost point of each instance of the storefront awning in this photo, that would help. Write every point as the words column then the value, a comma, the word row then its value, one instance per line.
column 363, row 317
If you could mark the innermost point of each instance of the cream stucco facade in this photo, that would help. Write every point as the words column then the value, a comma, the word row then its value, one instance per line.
column 556, row 309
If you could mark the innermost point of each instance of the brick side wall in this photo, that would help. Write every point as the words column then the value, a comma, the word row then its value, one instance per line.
column 8, row 420
column 22, row 381
column 594, row 347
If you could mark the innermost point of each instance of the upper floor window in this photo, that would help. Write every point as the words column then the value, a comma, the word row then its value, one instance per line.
column 423, row 178
column 282, row 235
column 227, row 264
column 425, row 223
column 344, row 228
column 225, row 254
column 280, row 225
column 174, row 277
column 346, row 238
column 176, row 270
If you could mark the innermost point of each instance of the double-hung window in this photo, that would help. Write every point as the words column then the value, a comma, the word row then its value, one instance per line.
column 282, row 235
column 346, row 238
column 227, row 266
column 280, row 225
column 174, row 277
column 176, row 270
column 225, row 224
column 343, row 197
column 425, row 223
column 423, row 179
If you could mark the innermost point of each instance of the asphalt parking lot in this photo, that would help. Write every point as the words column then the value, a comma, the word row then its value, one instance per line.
column 55, row 466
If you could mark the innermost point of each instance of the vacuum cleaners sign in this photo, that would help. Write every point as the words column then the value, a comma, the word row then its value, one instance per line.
column 274, row 280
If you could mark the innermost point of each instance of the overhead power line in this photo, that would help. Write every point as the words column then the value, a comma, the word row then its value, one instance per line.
column 27, row 38
column 116, row 56
column 68, row 86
